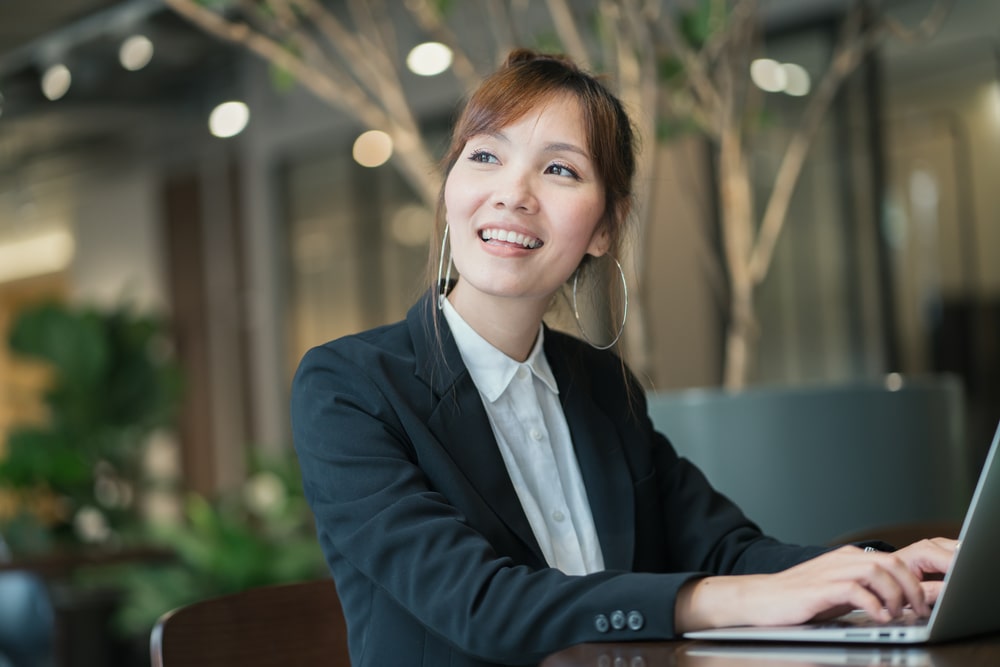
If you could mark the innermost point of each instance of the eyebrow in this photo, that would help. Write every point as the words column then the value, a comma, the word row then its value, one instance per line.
column 554, row 147
column 572, row 148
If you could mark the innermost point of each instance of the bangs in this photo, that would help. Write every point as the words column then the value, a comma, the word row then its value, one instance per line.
column 513, row 92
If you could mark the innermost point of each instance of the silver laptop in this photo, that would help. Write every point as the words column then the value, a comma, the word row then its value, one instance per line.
column 966, row 606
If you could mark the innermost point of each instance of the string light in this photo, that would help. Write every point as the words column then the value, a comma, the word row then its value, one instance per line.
column 429, row 58
column 228, row 119
column 56, row 82
column 135, row 52
column 773, row 77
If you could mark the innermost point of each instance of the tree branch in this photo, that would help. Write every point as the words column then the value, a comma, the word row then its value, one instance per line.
column 339, row 91
column 704, row 89
column 927, row 28
column 854, row 46
column 431, row 22
column 569, row 35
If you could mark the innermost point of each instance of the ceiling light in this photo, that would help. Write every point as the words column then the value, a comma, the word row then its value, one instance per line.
column 228, row 119
column 372, row 148
column 429, row 58
column 135, row 52
column 768, row 75
column 797, row 82
column 56, row 81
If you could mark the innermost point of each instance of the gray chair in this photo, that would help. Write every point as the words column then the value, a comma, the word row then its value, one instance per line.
column 812, row 463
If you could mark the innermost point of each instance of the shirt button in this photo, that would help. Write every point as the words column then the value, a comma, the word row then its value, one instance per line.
column 522, row 372
column 636, row 620
column 535, row 434
column 558, row 516
column 601, row 623
column 618, row 619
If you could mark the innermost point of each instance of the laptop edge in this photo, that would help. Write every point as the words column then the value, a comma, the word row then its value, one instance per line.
column 967, row 605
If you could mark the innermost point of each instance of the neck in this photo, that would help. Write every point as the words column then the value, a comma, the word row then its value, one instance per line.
column 508, row 324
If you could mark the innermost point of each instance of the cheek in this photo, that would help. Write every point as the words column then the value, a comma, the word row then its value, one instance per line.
column 449, row 195
column 459, row 195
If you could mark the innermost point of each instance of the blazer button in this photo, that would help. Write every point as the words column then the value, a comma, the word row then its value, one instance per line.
column 636, row 620
column 601, row 623
column 618, row 619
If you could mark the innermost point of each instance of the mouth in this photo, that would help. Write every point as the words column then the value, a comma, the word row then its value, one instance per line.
column 510, row 237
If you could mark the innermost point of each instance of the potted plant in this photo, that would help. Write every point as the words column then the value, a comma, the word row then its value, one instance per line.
column 72, row 480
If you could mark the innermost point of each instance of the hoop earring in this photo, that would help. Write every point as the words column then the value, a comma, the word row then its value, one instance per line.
column 442, row 285
column 576, row 312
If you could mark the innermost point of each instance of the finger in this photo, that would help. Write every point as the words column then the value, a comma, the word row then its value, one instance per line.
column 929, row 556
column 932, row 591
column 946, row 543
column 889, row 578
column 860, row 597
column 910, row 582
column 886, row 584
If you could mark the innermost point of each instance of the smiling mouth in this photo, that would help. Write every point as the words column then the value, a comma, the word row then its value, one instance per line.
column 502, row 235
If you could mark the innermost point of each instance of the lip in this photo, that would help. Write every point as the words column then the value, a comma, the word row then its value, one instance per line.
column 511, row 229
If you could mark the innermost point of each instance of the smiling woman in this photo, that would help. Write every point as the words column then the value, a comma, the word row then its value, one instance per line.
column 488, row 490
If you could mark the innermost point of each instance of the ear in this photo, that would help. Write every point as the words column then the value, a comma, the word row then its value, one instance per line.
column 600, row 242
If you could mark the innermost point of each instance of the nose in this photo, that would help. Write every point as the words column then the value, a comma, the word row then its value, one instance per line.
column 515, row 192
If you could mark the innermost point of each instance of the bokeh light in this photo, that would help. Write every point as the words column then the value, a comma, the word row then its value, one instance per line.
column 228, row 119
column 372, row 148
column 429, row 58
column 135, row 52
column 56, row 81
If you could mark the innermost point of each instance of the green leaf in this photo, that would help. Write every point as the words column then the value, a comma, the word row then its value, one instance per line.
column 282, row 80
column 216, row 4
column 670, row 70
column 72, row 341
column 670, row 128
column 44, row 458
column 548, row 42
column 443, row 7
column 697, row 25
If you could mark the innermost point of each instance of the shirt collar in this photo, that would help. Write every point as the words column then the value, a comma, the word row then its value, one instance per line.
column 491, row 369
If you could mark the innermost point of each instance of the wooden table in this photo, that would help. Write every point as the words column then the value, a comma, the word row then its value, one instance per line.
column 979, row 652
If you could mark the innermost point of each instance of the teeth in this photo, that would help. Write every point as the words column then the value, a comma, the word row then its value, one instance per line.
column 510, row 237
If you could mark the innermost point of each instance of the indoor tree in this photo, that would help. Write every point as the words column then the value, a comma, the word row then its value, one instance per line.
column 674, row 64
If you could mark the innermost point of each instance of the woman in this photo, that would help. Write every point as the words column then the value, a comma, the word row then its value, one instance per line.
column 487, row 490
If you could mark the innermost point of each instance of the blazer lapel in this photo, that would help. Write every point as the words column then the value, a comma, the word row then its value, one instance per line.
column 459, row 420
column 602, row 462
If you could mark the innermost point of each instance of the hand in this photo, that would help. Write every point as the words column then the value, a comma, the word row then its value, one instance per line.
column 847, row 578
column 929, row 560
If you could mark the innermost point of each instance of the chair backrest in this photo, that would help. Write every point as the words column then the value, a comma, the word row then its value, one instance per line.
column 283, row 625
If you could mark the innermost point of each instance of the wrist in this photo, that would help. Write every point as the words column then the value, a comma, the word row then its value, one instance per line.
column 712, row 602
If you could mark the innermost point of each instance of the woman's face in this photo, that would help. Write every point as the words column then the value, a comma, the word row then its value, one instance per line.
column 524, row 205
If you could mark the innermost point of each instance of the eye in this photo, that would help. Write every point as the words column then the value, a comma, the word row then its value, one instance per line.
column 483, row 156
column 561, row 170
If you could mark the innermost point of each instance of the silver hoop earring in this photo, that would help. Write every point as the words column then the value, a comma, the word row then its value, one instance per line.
column 442, row 285
column 576, row 312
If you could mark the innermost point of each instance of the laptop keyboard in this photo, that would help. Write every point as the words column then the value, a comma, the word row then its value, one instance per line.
column 859, row 619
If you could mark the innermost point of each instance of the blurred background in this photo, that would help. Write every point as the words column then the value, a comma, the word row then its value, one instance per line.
column 187, row 205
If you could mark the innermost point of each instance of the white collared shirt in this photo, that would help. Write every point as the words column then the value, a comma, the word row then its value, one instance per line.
column 522, row 403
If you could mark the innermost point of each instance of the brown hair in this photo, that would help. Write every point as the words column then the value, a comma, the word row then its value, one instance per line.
column 526, row 80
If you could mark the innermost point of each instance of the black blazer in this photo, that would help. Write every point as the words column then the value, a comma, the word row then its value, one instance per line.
column 433, row 558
